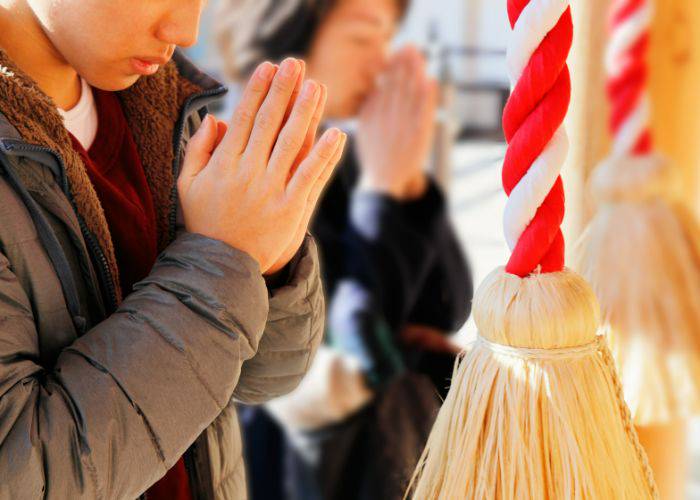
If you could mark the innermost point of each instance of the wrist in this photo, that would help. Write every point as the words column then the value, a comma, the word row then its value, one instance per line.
column 275, row 269
column 417, row 187
column 369, row 183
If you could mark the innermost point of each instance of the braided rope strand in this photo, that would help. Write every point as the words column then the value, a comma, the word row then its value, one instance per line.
column 627, row 416
column 537, row 142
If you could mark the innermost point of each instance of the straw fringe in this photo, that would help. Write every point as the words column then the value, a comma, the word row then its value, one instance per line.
column 516, row 425
column 641, row 253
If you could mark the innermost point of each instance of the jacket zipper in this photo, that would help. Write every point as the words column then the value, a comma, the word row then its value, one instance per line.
column 103, row 267
column 197, row 489
column 177, row 138
column 93, row 245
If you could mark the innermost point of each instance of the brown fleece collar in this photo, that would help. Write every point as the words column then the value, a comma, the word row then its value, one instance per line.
column 152, row 107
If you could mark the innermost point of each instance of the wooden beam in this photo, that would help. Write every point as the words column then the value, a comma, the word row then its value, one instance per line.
column 587, row 120
column 675, row 87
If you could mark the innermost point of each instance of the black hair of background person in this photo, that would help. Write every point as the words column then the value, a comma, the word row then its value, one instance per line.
column 292, row 36
column 274, row 36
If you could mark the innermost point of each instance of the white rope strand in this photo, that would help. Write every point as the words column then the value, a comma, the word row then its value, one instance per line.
column 537, row 19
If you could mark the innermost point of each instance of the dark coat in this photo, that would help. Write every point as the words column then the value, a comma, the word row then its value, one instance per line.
column 387, row 264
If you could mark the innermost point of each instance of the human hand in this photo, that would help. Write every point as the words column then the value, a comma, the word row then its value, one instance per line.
column 396, row 128
column 253, row 185
column 316, row 192
column 428, row 338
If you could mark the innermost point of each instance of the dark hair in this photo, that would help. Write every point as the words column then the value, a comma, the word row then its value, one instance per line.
column 250, row 31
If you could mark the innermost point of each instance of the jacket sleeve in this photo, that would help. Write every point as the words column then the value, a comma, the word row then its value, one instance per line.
column 444, row 300
column 292, row 335
column 403, row 265
column 387, row 258
column 124, row 401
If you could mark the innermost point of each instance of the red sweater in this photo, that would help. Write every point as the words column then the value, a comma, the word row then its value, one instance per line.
column 115, row 169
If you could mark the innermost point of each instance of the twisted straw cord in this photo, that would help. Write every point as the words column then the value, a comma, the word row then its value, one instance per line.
column 528, row 353
column 627, row 416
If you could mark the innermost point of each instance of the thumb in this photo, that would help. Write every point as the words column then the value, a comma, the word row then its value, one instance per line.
column 199, row 149
column 221, row 129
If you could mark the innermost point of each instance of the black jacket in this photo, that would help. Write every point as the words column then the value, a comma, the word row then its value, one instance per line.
column 387, row 264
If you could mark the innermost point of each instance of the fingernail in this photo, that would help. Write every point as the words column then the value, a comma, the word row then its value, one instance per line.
column 309, row 90
column 289, row 67
column 333, row 135
column 265, row 70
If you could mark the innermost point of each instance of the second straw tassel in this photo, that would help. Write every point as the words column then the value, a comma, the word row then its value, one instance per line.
column 641, row 251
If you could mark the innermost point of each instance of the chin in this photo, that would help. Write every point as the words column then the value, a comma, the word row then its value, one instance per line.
column 113, row 83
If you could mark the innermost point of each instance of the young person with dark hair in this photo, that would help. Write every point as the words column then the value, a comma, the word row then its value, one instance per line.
column 154, row 267
column 396, row 277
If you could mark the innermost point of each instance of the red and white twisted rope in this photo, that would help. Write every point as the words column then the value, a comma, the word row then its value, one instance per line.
column 627, row 76
column 537, row 142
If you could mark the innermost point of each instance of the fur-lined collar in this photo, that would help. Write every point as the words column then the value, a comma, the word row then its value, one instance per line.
column 152, row 107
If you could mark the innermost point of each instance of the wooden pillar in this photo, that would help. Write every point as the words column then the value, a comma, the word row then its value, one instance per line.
column 674, row 60
column 675, row 88
column 587, row 121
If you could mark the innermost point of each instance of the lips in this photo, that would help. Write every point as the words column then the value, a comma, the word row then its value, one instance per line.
column 148, row 65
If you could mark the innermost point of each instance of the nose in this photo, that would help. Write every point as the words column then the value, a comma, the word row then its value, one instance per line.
column 180, row 26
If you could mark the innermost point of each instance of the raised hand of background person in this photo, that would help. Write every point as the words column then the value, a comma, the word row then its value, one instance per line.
column 396, row 128
column 428, row 338
column 255, row 183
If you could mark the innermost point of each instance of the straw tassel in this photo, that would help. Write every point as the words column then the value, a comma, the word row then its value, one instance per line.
column 535, row 409
column 641, row 251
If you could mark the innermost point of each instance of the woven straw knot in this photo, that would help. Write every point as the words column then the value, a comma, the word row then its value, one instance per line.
column 633, row 179
column 536, row 354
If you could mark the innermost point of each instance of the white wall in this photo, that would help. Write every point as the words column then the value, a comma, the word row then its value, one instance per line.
column 473, row 23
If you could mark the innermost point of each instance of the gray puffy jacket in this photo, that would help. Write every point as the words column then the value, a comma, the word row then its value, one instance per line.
column 99, row 398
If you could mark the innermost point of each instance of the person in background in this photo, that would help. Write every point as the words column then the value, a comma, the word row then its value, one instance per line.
column 154, row 266
column 395, row 275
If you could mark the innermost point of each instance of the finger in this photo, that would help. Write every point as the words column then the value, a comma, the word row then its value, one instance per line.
column 321, row 183
column 269, row 118
column 221, row 128
column 313, row 130
column 293, row 134
column 426, row 104
column 370, row 105
column 313, row 166
column 327, row 173
column 401, row 81
column 393, row 91
column 238, row 133
column 295, row 92
column 199, row 149
column 416, row 70
column 394, row 60
column 428, row 338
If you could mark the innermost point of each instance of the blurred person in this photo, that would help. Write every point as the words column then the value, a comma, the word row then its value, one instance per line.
column 395, row 275
column 119, row 366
